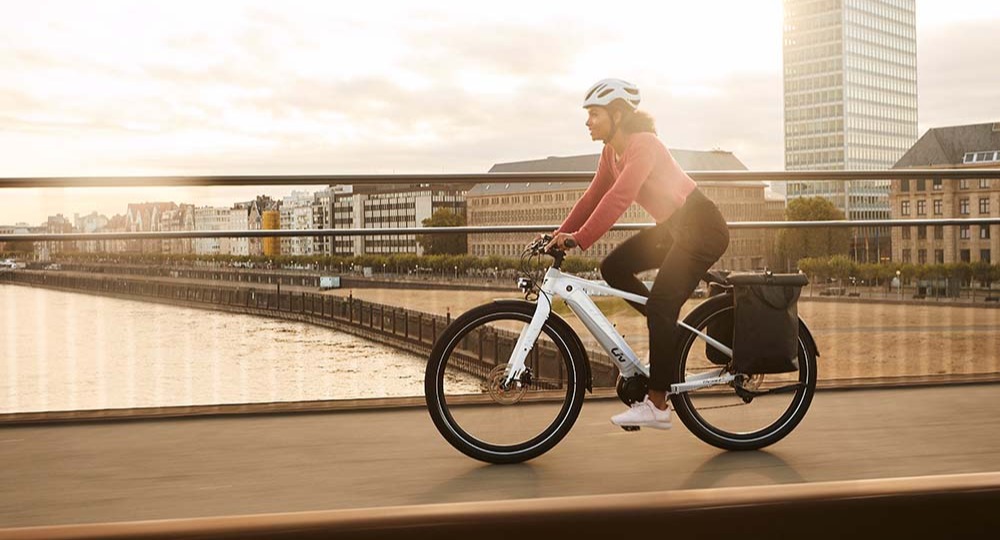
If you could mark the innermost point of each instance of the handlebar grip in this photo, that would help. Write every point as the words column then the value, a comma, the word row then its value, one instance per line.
column 570, row 243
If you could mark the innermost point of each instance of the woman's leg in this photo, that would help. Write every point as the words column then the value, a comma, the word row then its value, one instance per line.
column 699, row 243
column 642, row 251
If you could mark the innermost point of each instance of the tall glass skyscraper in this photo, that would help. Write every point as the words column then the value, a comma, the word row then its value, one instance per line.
column 850, row 98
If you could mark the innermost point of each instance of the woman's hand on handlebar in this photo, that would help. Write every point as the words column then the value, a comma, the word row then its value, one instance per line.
column 562, row 241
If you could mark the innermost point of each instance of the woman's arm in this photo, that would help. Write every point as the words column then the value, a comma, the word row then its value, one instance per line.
column 602, row 181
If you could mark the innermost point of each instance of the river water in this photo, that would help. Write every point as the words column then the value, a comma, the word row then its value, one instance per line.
column 70, row 351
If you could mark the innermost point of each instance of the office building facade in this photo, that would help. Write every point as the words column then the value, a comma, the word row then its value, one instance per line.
column 850, row 87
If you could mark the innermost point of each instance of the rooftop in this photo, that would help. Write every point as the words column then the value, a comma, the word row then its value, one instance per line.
column 947, row 147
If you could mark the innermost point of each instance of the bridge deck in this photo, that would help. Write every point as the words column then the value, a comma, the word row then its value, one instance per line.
column 142, row 470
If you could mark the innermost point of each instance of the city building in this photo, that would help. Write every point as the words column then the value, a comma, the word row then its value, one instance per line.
column 20, row 228
column 254, row 221
column 955, row 147
column 57, row 224
column 93, row 222
column 210, row 218
column 324, row 217
column 389, row 206
column 118, row 223
column 239, row 221
column 297, row 214
column 90, row 223
column 145, row 217
column 540, row 203
column 178, row 219
column 850, row 85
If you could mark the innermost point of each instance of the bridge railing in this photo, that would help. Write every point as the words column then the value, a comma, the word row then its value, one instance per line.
column 866, row 334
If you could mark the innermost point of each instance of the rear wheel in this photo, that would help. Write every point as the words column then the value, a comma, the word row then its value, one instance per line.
column 466, row 398
column 732, row 417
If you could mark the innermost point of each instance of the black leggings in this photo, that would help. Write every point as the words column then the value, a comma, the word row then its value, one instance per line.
column 683, row 247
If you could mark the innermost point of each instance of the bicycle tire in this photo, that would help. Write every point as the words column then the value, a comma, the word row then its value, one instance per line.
column 722, row 438
column 441, row 411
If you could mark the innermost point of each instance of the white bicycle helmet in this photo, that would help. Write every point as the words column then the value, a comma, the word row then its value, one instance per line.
column 608, row 90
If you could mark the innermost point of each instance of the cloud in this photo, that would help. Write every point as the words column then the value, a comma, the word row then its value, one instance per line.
column 312, row 88
column 958, row 82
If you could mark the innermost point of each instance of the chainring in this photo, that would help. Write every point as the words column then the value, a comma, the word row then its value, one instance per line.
column 632, row 389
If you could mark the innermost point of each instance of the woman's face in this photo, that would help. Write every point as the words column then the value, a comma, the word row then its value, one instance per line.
column 599, row 123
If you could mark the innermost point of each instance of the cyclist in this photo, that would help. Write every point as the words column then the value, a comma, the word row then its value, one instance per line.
column 690, row 235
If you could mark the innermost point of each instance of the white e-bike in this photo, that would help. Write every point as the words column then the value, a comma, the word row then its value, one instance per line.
column 506, row 380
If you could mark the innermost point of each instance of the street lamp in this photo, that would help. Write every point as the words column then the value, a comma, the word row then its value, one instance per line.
column 456, row 272
column 899, row 285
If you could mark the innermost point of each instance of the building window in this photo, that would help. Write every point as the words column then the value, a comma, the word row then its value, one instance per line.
column 984, row 232
column 921, row 256
column 906, row 256
column 984, row 183
column 964, row 232
column 963, row 207
column 937, row 207
column 984, row 255
column 905, row 208
column 921, row 185
column 984, row 205
column 921, row 208
column 904, row 185
column 965, row 255
column 963, row 184
column 937, row 184
column 921, row 232
column 939, row 256
column 938, row 232
column 906, row 233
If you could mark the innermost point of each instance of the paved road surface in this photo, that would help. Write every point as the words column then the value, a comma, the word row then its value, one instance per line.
column 142, row 470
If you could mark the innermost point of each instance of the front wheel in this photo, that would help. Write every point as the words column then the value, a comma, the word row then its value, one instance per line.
column 466, row 398
column 722, row 416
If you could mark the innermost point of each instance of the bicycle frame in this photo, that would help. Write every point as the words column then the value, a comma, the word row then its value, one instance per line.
column 576, row 292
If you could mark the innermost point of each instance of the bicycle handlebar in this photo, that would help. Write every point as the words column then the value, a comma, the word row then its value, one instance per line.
column 538, row 246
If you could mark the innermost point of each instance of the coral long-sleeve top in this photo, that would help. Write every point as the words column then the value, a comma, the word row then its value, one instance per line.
column 646, row 174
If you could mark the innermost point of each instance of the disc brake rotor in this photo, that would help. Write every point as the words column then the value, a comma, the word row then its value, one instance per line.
column 494, row 385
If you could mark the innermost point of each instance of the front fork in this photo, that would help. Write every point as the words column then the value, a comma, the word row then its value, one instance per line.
column 526, row 341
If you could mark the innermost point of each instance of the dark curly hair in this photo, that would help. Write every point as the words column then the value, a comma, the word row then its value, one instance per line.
column 633, row 121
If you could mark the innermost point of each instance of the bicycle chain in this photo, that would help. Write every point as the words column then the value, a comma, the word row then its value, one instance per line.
column 721, row 406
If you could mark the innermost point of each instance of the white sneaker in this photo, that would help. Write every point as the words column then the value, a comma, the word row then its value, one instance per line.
column 643, row 414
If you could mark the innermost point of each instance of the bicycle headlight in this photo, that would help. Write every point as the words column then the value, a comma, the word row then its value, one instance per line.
column 525, row 284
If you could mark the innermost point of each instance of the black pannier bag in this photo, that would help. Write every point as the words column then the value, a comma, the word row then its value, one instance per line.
column 720, row 328
column 766, row 336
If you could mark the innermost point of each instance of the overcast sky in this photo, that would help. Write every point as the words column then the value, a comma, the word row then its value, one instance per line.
column 295, row 87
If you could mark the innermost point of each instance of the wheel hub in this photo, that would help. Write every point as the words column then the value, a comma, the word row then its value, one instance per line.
column 509, row 396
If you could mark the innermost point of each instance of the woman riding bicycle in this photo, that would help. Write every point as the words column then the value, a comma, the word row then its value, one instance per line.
column 690, row 235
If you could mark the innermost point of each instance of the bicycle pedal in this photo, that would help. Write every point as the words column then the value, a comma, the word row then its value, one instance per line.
column 631, row 428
